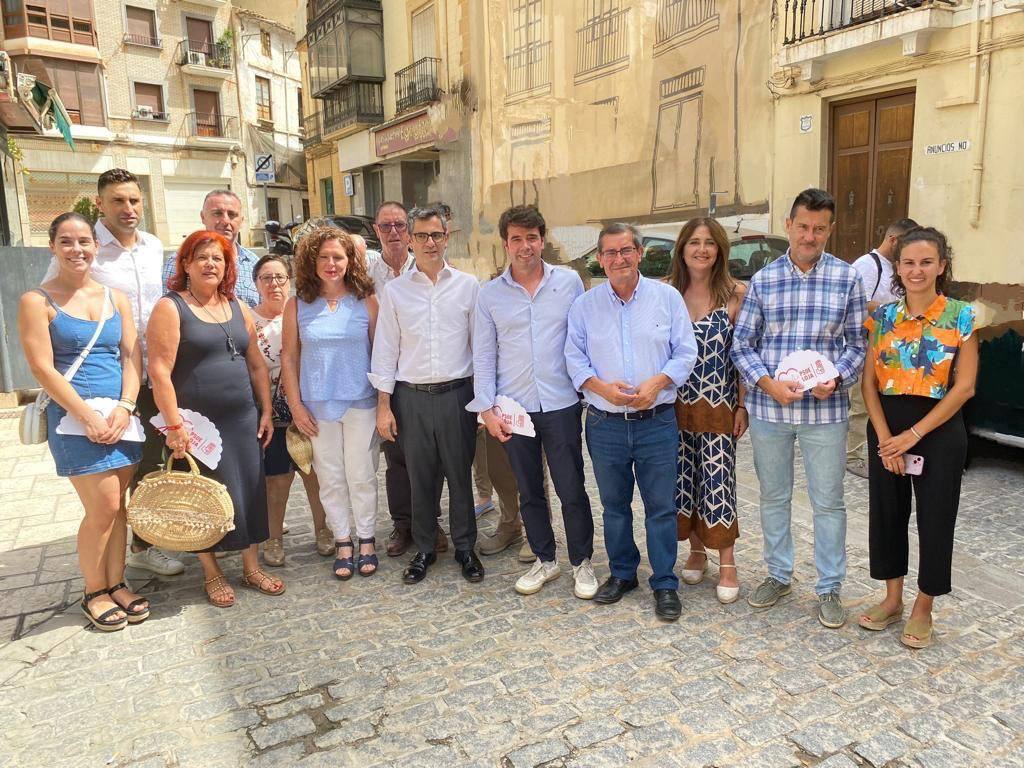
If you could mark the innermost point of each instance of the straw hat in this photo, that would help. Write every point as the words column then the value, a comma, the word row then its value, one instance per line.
column 300, row 448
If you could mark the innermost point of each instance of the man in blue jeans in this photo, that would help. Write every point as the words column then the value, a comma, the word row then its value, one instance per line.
column 629, row 348
column 808, row 299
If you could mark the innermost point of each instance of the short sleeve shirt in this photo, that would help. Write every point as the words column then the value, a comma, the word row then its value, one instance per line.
column 915, row 355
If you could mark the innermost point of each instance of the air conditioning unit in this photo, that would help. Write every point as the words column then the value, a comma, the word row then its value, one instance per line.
column 197, row 57
column 144, row 112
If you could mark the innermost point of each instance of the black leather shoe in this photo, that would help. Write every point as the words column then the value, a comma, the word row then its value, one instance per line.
column 613, row 590
column 667, row 605
column 417, row 568
column 472, row 568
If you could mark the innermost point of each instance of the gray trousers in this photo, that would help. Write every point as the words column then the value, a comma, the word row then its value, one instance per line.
column 438, row 437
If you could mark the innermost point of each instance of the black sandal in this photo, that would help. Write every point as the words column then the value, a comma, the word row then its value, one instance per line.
column 370, row 559
column 103, row 622
column 344, row 562
column 136, row 614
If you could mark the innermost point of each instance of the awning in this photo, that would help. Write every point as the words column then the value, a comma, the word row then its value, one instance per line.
column 51, row 107
column 42, row 103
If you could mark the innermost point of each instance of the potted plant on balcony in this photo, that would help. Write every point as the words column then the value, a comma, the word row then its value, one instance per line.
column 221, row 55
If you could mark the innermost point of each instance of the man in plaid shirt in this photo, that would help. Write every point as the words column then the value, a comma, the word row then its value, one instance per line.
column 808, row 299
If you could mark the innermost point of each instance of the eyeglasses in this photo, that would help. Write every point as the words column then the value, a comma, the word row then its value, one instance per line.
column 628, row 252
column 437, row 237
column 395, row 226
column 278, row 279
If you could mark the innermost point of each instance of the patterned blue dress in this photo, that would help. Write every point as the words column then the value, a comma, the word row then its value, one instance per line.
column 706, row 492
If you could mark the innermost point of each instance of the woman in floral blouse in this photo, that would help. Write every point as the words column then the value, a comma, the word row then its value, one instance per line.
column 921, row 369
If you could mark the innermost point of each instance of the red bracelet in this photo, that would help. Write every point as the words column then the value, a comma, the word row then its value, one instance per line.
column 176, row 426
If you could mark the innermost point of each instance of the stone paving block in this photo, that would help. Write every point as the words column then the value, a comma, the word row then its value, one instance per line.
column 529, row 677
column 771, row 756
column 983, row 735
column 820, row 739
column 467, row 696
column 543, row 721
column 1012, row 718
column 537, row 753
column 882, row 749
column 837, row 761
column 927, row 727
column 592, row 731
column 31, row 599
column 602, row 756
column 944, row 756
column 798, row 682
column 282, row 730
column 489, row 741
column 291, row 706
column 275, row 688
column 277, row 758
column 901, row 671
column 660, row 738
column 859, row 688
column 709, row 717
column 765, row 729
column 648, row 711
column 708, row 753
column 210, row 707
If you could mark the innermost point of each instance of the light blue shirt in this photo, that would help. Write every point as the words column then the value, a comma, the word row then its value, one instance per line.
column 518, row 342
column 245, row 284
column 630, row 341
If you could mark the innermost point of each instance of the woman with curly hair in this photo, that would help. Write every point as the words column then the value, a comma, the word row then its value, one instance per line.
column 325, row 359
column 921, row 367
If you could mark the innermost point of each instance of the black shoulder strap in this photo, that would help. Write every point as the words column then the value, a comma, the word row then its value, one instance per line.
column 878, row 264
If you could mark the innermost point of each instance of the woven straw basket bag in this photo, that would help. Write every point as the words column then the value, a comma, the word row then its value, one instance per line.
column 181, row 511
column 300, row 448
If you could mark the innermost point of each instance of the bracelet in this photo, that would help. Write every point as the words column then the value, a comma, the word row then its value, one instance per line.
column 916, row 433
column 128, row 405
column 170, row 428
column 739, row 407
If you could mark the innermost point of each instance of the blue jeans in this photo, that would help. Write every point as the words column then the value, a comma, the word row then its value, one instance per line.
column 645, row 450
column 824, row 451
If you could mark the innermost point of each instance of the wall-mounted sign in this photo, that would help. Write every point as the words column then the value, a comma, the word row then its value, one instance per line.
column 416, row 131
column 962, row 145
column 806, row 123
column 265, row 169
column 350, row 187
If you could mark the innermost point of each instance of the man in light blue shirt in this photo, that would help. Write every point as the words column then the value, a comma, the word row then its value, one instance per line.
column 518, row 341
column 629, row 348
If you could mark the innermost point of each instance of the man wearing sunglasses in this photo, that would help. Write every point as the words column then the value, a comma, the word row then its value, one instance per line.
column 422, row 368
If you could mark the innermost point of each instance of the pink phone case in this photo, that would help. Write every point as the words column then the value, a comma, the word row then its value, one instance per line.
column 913, row 464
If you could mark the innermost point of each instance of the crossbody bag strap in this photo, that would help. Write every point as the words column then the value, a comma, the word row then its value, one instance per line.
column 878, row 263
column 44, row 398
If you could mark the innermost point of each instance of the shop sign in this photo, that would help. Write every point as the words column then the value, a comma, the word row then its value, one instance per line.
column 416, row 131
column 961, row 145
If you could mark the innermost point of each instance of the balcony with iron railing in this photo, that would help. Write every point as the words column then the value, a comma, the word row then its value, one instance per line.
column 210, row 128
column 528, row 71
column 417, row 84
column 312, row 134
column 353, row 104
column 803, row 19
column 814, row 30
column 679, row 21
column 200, row 57
column 144, row 40
column 601, row 44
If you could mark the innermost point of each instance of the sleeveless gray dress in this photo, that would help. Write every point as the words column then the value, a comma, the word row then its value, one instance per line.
column 209, row 379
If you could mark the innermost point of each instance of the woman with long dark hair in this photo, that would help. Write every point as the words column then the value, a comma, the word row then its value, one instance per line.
column 921, row 368
column 709, row 408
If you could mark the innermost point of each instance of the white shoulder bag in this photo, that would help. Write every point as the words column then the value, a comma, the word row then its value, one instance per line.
column 32, row 426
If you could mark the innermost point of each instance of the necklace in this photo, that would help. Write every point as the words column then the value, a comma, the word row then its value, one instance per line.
column 231, row 342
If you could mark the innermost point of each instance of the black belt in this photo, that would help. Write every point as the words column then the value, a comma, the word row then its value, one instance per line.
column 436, row 389
column 635, row 415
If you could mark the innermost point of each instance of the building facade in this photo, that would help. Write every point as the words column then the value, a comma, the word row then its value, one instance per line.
column 909, row 109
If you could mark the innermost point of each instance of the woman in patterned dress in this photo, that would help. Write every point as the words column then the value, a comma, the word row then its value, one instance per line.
column 709, row 407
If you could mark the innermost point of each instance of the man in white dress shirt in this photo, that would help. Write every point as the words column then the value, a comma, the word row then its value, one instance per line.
column 131, row 261
column 422, row 367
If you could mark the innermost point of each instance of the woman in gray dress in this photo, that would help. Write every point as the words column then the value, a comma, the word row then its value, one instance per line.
column 201, row 358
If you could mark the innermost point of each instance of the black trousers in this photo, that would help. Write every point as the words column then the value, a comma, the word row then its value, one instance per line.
column 152, row 448
column 936, row 489
column 396, row 484
column 438, row 438
column 560, row 434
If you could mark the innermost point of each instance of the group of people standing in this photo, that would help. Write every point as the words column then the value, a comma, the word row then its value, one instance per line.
column 400, row 351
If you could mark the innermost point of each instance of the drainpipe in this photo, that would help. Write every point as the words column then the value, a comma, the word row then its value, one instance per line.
column 978, row 148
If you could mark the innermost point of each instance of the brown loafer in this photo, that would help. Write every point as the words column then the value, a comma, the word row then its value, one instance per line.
column 273, row 552
column 399, row 541
column 441, row 544
column 325, row 542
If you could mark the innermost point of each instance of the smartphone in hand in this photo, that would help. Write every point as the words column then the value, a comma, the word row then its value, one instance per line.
column 913, row 464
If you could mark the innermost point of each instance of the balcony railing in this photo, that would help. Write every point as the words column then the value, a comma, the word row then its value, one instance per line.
column 813, row 18
column 211, row 125
column 200, row 53
column 602, row 42
column 528, row 70
column 311, row 131
column 358, row 102
column 417, row 84
column 146, row 40
column 678, row 16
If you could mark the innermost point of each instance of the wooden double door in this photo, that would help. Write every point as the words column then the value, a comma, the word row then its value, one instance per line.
column 871, row 151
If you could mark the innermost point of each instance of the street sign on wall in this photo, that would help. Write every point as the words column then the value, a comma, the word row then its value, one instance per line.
column 265, row 169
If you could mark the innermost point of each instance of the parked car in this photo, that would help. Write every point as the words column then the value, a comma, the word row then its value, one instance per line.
column 356, row 224
column 748, row 252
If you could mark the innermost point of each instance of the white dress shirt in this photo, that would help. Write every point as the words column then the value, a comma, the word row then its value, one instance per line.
column 867, row 271
column 381, row 273
column 424, row 330
column 137, row 272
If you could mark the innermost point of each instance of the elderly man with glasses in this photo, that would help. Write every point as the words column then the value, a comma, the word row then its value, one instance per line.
column 422, row 367
column 629, row 348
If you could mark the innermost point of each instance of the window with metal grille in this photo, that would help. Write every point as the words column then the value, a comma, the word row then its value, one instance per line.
column 263, row 109
column 140, row 25
column 264, row 42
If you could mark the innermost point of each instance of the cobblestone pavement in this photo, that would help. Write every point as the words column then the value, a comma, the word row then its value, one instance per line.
column 371, row 672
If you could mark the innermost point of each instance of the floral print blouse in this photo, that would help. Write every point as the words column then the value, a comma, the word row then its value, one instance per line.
column 915, row 355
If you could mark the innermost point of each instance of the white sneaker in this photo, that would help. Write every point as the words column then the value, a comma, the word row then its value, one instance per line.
column 586, row 581
column 156, row 561
column 535, row 578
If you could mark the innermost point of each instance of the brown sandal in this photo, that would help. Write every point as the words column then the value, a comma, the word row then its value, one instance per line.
column 257, row 579
column 219, row 592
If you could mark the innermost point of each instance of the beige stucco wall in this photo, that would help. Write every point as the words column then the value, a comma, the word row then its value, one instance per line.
column 940, row 184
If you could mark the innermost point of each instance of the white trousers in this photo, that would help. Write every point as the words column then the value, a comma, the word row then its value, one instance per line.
column 346, row 467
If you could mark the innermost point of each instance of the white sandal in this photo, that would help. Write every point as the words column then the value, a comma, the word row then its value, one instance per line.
column 726, row 595
column 691, row 576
